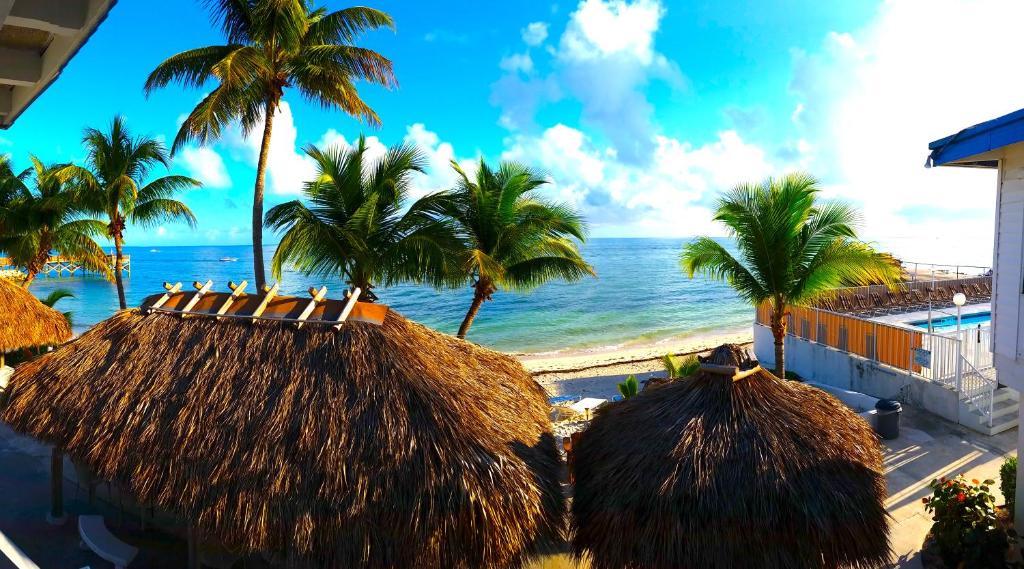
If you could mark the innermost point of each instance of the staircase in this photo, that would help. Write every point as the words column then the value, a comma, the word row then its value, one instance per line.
column 1005, row 409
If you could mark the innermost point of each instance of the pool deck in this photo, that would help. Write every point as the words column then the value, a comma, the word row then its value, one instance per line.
column 928, row 447
column 902, row 319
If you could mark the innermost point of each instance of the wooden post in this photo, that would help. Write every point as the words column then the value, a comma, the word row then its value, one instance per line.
column 193, row 547
column 56, row 516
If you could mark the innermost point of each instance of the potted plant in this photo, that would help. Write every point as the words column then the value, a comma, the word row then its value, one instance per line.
column 967, row 532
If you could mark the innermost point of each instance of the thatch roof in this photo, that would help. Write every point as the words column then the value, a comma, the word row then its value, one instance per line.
column 25, row 322
column 713, row 473
column 371, row 446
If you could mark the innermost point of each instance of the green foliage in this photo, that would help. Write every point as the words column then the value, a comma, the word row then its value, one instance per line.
column 55, row 296
column 629, row 388
column 1008, row 481
column 681, row 368
column 41, row 213
column 510, row 237
column 791, row 247
column 272, row 46
column 966, row 529
column 354, row 223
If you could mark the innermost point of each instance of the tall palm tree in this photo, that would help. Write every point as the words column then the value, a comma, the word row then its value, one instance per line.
column 792, row 249
column 511, row 238
column 113, row 183
column 271, row 45
column 47, row 216
column 355, row 226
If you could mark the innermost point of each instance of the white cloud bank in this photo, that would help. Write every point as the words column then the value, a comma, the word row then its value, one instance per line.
column 205, row 165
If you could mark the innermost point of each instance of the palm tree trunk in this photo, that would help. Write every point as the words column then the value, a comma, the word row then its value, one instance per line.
column 118, row 278
column 30, row 276
column 257, row 197
column 779, row 334
column 479, row 296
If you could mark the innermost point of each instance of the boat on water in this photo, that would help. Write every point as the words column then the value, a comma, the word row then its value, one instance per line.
column 228, row 259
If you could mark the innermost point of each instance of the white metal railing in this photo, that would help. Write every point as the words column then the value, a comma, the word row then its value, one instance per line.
column 945, row 356
column 13, row 553
column 976, row 345
column 976, row 385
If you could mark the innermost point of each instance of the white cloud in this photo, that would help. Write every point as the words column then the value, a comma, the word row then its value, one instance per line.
column 604, row 59
column 287, row 166
column 600, row 29
column 206, row 165
column 517, row 62
column 666, row 197
column 535, row 33
column 161, row 231
column 872, row 99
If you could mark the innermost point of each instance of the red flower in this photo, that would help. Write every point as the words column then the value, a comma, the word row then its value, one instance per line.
column 960, row 497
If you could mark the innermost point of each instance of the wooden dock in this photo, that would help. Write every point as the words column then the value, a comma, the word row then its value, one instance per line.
column 58, row 266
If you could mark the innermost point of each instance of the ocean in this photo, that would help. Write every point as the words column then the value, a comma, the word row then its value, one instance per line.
column 640, row 297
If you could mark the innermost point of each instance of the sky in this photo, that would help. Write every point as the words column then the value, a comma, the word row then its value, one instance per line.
column 640, row 112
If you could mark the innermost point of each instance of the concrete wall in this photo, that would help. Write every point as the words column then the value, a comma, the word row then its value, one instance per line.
column 822, row 364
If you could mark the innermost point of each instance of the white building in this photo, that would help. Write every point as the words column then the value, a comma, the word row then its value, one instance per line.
column 999, row 144
column 37, row 39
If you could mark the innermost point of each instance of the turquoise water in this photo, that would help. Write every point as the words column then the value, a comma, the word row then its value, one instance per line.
column 640, row 296
column 949, row 322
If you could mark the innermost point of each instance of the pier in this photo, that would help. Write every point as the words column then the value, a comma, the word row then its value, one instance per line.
column 57, row 266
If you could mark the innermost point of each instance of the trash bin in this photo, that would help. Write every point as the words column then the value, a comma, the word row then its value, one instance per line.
column 887, row 419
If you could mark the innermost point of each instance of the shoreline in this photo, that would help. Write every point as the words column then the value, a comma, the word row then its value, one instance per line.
column 584, row 373
column 585, row 359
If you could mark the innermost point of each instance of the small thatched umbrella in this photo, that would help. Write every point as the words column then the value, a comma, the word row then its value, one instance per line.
column 26, row 323
column 372, row 443
column 730, row 467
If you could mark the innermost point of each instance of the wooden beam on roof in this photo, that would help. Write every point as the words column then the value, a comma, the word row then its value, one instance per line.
column 318, row 296
column 20, row 67
column 201, row 289
column 59, row 17
column 268, row 294
column 167, row 295
column 237, row 290
column 352, row 299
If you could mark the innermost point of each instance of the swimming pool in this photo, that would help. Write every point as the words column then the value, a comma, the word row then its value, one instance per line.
column 944, row 323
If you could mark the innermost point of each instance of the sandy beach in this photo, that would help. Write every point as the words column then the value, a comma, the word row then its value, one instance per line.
column 595, row 373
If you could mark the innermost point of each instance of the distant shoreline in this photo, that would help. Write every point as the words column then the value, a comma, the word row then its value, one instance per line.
column 634, row 359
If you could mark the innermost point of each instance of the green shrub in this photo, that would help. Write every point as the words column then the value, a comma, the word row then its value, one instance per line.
column 681, row 368
column 966, row 529
column 1008, row 481
column 630, row 387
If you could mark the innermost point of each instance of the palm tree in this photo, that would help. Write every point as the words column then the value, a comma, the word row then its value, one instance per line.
column 12, row 188
column 355, row 227
column 113, row 184
column 792, row 249
column 511, row 238
column 49, row 216
column 274, row 44
column 56, row 295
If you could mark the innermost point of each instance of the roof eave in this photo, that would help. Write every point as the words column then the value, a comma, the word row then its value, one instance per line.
column 965, row 148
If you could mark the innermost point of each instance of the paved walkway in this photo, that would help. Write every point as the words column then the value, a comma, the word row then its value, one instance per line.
column 930, row 447
column 927, row 448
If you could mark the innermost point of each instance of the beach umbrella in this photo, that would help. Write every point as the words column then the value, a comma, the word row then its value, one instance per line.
column 317, row 432
column 26, row 323
column 730, row 467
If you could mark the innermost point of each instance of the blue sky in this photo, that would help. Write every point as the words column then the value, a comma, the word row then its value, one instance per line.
column 640, row 111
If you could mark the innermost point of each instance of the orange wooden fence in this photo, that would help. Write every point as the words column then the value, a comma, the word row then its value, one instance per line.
column 884, row 343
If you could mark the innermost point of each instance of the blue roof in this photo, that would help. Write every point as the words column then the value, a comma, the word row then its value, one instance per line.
column 957, row 149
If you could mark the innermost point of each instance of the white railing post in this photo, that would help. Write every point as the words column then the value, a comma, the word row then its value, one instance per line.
column 991, row 397
column 959, row 366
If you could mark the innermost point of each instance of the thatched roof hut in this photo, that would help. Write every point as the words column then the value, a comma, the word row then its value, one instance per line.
column 25, row 322
column 733, row 469
column 374, row 443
